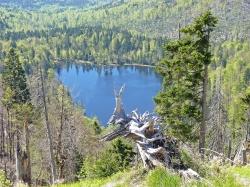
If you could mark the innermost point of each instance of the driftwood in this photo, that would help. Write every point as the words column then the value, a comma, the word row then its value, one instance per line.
column 154, row 148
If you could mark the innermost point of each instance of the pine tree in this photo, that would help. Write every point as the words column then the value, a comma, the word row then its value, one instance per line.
column 200, row 32
column 14, row 79
column 182, row 101
column 16, row 98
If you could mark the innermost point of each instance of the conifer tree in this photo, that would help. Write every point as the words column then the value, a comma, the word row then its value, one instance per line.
column 14, row 79
column 182, row 100
column 16, row 98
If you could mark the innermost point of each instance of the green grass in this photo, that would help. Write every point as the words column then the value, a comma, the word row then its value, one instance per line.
column 3, row 181
column 92, row 182
column 89, row 183
column 241, row 171
column 120, row 179
column 226, row 177
column 226, row 181
column 160, row 177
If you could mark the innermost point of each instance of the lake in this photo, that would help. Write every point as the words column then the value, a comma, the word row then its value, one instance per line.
column 93, row 87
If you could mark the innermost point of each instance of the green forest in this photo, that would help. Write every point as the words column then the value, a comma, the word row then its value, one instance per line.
column 199, row 134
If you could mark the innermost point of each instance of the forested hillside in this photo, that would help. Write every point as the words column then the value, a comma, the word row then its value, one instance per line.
column 202, row 110
column 142, row 19
column 34, row 4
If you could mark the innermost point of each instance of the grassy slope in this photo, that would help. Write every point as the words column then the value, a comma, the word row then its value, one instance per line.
column 229, row 177
column 125, row 178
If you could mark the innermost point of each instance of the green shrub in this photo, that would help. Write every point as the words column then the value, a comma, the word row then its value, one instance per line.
column 115, row 158
column 4, row 182
column 162, row 178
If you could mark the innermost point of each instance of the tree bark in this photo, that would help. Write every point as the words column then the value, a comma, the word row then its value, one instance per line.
column 229, row 148
column 202, row 138
column 2, row 134
column 59, row 147
column 49, row 136
column 28, row 178
column 18, row 160
column 244, row 157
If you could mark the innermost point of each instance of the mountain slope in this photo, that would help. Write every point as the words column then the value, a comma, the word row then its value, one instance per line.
column 162, row 17
column 152, row 17
column 30, row 4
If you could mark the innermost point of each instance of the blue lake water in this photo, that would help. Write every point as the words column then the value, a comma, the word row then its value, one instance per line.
column 93, row 88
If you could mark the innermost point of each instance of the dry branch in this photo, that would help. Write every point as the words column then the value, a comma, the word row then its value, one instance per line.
column 154, row 148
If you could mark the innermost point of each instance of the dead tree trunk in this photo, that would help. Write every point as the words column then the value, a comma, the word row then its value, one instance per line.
column 23, row 165
column 2, row 135
column 202, row 138
column 217, row 129
column 18, row 159
column 154, row 148
column 244, row 157
column 9, row 134
column 229, row 148
column 119, row 115
column 60, row 157
column 27, row 149
column 49, row 136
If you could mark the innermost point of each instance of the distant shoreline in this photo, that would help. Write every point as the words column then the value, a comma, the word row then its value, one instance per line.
column 91, row 63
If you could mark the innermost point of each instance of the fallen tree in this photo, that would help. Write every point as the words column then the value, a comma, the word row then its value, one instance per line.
column 155, row 149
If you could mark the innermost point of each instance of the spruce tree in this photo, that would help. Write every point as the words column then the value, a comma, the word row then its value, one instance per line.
column 182, row 100
column 16, row 98
column 14, row 79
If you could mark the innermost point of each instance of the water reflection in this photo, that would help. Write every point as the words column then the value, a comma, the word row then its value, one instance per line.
column 92, row 86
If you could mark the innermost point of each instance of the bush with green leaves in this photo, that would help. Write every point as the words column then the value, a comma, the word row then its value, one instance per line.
column 116, row 157
column 4, row 182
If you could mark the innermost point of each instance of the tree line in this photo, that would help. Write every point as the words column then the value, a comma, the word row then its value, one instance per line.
column 44, row 135
column 95, row 44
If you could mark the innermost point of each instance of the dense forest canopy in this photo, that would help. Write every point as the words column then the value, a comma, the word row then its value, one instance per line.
column 154, row 17
column 206, row 77
column 34, row 4
column 145, row 21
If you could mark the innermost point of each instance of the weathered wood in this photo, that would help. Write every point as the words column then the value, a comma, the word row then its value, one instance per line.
column 154, row 148
column 143, row 129
column 49, row 134
column 189, row 174
column 243, row 153
column 119, row 116
column 244, row 157
column 143, row 156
